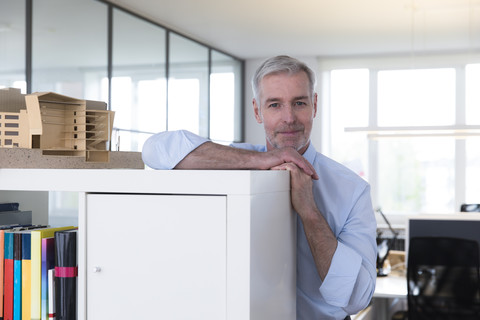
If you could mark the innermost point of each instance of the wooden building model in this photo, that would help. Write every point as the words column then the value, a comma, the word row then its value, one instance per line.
column 56, row 124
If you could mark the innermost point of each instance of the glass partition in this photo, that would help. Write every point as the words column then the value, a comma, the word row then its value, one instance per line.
column 75, row 53
column 225, row 101
column 12, row 44
column 69, row 47
column 188, row 86
column 138, row 87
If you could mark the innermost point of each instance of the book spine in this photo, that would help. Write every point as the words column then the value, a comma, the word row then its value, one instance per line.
column 17, row 276
column 2, row 257
column 26, row 276
column 36, row 275
column 48, row 262
column 8, row 277
column 66, row 272
column 36, row 265
column 51, row 294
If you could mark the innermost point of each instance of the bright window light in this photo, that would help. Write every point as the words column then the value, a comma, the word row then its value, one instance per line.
column 418, row 97
column 222, row 104
column 183, row 106
column 349, row 110
column 473, row 94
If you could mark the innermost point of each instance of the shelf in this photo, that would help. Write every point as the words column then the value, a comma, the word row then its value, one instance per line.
column 457, row 132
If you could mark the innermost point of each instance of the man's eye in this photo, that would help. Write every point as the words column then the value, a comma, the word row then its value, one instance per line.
column 274, row 105
column 300, row 103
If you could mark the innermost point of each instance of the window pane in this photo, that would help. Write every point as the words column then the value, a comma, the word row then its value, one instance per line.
column 416, row 97
column 416, row 175
column 183, row 109
column 224, row 102
column 12, row 44
column 69, row 47
column 138, row 83
column 128, row 140
column 62, row 208
column 472, row 192
column 349, row 110
column 188, row 86
column 473, row 94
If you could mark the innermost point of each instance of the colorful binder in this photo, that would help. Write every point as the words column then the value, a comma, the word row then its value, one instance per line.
column 36, row 266
column 51, row 294
column 26, row 275
column 8, row 276
column 17, row 276
column 2, row 257
column 3, row 229
column 66, row 272
column 48, row 262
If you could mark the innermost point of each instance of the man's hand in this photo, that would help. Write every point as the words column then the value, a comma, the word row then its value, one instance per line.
column 301, row 186
column 275, row 159
column 215, row 156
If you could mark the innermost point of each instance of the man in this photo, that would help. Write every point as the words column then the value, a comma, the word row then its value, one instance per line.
column 336, row 246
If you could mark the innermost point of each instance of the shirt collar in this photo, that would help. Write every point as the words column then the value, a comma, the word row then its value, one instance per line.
column 310, row 153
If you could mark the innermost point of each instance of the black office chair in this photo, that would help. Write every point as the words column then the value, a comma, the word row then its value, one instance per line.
column 443, row 279
column 470, row 207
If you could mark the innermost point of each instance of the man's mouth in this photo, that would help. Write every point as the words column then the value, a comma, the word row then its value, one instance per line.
column 290, row 132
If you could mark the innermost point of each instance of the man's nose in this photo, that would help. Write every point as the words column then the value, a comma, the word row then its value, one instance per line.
column 288, row 114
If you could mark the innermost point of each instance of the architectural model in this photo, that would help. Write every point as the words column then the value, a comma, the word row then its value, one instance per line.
column 56, row 124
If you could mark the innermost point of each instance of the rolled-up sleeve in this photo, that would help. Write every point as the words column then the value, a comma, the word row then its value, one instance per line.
column 165, row 150
column 341, row 278
column 350, row 282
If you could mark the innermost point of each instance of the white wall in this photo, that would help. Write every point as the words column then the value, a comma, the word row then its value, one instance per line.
column 254, row 132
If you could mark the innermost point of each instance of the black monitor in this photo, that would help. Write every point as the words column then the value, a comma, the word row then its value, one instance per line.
column 464, row 225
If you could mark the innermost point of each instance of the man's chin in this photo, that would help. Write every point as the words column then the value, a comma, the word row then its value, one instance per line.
column 297, row 146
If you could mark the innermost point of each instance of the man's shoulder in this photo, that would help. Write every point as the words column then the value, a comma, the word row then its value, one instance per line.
column 326, row 166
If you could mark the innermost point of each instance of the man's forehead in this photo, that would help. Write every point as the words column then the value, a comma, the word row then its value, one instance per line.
column 282, row 85
column 285, row 74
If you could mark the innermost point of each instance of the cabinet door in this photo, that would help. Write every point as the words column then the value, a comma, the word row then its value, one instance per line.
column 156, row 257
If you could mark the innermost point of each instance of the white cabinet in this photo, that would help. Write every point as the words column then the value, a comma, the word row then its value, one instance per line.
column 178, row 244
column 160, row 256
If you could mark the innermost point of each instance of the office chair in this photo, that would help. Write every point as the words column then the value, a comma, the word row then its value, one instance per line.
column 443, row 279
column 473, row 207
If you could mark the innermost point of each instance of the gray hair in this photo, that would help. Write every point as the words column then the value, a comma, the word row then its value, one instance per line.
column 281, row 64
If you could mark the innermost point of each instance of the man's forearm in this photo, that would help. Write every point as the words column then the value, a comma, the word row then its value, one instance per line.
column 216, row 156
column 321, row 240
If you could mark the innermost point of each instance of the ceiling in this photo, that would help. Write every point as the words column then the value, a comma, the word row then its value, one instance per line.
column 252, row 29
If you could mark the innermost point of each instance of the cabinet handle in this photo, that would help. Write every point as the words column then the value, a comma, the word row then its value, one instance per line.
column 97, row 269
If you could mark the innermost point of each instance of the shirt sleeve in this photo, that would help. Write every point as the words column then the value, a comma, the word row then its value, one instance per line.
column 165, row 150
column 350, row 282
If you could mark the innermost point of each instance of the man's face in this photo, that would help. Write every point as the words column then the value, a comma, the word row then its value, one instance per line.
column 286, row 109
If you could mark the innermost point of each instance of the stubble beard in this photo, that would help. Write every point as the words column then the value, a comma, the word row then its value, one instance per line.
column 298, row 144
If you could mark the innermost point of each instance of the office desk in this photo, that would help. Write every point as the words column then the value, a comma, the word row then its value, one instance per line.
column 390, row 295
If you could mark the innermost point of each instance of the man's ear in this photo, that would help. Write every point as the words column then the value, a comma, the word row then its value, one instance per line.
column 315, row 105
column 256, row 111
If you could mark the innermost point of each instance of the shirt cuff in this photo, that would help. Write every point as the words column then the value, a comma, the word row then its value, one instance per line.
column 338, row 285
column 166, row 149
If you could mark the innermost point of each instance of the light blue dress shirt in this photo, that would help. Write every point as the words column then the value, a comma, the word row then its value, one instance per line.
column 344, row 200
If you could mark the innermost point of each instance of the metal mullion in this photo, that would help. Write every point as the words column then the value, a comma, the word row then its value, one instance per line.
column 460, row 144
column 208, row 90
column 109, row 53
column 28, row 44
column 167, row 75
column 372, row 144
